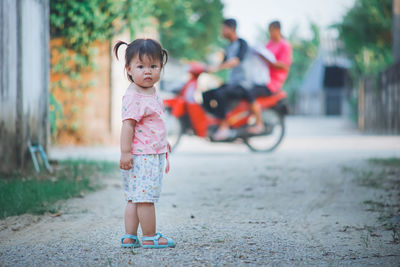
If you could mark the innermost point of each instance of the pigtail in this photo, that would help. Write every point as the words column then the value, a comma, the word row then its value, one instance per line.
column 116, row 46
column 164, row 56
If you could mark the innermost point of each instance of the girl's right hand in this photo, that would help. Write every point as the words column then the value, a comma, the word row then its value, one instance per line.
column 126, row 161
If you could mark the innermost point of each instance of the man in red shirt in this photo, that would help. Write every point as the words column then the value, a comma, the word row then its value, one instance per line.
column 278, row 71
column 283, row 52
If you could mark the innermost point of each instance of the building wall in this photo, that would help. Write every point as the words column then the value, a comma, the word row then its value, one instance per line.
column 96, row 109
column 310, row 103
column 119, row 83
column 24, row 32
column 323, row 103
column 8, row 86
column 86, row 109
column 34, row 70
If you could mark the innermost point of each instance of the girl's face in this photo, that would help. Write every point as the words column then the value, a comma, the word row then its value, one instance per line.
column 145, row 72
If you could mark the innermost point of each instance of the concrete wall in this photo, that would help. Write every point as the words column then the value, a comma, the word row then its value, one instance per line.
column 119, row 83
column 310, row 103
column 24, row 33
column 8, row 82
column 86, row 102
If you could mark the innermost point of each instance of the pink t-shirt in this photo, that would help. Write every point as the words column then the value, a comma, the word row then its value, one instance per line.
column 282, row 52
column 150, row 135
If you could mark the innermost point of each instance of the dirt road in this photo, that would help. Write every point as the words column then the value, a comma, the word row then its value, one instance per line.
column 304, row 204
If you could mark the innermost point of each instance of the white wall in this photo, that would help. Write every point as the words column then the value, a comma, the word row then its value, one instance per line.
column 24, row 52
column 119, row 83
column 8, row 78
column 34, row 66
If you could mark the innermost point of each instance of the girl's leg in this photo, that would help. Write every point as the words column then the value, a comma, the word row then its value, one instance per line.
column 131, row 220
column 147, row 217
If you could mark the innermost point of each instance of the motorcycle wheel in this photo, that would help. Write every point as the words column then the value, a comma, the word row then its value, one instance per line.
column 174, row 129
column 274, row 131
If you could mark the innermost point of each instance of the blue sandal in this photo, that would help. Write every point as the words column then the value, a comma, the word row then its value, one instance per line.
column 130, row 245
column 170, row 242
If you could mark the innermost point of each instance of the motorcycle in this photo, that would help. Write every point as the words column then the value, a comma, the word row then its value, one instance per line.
column 186, row 116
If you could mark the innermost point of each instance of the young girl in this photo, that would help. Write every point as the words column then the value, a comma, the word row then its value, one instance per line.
column 144, row 143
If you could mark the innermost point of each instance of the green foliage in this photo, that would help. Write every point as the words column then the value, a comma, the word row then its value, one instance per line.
column 56, row 113
column 388, row 162
column 80, row 23
column 36, row 193
column 366, row 33
column 304, row 52
column 188, row 29
column 136, row 14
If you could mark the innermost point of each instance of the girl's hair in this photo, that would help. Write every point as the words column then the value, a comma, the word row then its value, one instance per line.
column 142, row 47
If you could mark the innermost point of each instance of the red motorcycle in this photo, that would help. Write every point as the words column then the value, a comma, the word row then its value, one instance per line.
column 186, row 116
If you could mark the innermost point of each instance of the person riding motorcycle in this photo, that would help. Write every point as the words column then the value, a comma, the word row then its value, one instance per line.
column 238, row 85
column 278, row 68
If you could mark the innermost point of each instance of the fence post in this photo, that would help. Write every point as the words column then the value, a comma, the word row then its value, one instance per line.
column 379, row 103
column 361, row 106
column 396, row 30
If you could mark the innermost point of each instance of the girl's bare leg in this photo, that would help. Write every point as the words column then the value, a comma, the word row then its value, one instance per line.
column 131, row 221
column 147, row 217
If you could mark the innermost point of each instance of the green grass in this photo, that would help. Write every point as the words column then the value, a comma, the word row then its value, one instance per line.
column 375, row 205
column 380, row 178
column 390, row 162
column 390, row 207
column 28, row 192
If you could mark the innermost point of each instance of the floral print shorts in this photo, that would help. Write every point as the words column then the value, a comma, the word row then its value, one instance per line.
column 142, row 183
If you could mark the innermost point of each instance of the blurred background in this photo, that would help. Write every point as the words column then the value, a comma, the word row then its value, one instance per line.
column 61, row 85
column 329, row 195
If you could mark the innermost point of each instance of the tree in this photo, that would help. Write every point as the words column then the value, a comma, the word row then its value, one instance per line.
column 367, row 37
column 188, row 29
column 80, row 23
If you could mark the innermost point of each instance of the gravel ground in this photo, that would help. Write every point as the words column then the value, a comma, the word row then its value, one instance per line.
column 224, row 205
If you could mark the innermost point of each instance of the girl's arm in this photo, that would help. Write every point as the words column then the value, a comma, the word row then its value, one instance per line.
column 127, row 132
